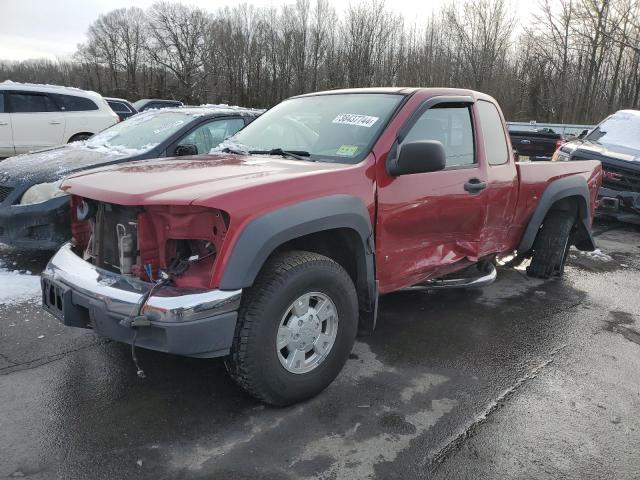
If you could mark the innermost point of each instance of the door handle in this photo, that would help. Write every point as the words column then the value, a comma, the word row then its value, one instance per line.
column 4, row 123
column 475, row 185
column 55, row 122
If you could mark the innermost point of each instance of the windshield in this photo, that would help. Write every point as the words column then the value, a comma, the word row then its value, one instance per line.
column 141, row 132
column 621, row 129
column 336, row 128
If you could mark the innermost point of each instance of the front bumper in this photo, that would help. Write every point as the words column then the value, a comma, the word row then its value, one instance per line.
column 618, row 204
column 42, row 226
column 195, row 323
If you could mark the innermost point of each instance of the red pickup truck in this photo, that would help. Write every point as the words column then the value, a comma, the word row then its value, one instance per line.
column 272, row 251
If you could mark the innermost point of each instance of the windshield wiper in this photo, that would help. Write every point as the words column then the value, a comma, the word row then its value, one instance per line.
column 297, row 154
column 237, row 151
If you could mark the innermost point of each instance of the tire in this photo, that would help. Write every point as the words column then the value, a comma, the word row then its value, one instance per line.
column 551, row 246
column 79, row 137
column 256, row 359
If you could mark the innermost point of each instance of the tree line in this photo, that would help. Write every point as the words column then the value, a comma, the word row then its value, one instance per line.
column 573, row 61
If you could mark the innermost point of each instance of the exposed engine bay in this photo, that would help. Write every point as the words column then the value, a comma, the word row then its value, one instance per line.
column 151, row 242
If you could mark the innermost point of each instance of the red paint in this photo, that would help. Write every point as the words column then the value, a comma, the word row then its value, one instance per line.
column 426, row 225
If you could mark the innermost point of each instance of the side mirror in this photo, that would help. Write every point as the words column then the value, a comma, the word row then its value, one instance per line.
column 182, row 150
column 418, row 157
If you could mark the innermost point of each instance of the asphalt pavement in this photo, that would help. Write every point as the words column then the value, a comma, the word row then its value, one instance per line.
column 521, row 379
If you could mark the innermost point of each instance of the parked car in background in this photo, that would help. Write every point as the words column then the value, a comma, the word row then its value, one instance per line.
column 616, row 143
column 34, row 212
column 123, row 108
column 40, row 116
column 273, row 252
column 537, row 143
column 149, row 103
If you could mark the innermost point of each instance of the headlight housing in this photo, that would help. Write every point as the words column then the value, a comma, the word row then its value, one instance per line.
column 560, row 156
column 41, row 193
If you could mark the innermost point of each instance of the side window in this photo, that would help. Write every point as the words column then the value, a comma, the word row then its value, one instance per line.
column 212, row 134
column 71, row 103
column 31, row 102
column 495, row 142
column 2, row 102
column 119, row 107
column 451, row 126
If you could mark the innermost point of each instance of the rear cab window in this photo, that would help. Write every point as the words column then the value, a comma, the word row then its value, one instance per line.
column 495, row 141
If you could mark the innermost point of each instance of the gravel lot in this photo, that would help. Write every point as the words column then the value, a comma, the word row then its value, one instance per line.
column 523, row 379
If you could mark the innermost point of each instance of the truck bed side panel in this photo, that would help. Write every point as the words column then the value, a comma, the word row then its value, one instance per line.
column 536, row 177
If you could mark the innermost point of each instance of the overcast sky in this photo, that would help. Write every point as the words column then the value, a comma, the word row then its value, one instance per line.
column 53, row 28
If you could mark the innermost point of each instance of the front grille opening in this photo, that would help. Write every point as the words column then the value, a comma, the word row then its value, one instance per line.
column 4, row 192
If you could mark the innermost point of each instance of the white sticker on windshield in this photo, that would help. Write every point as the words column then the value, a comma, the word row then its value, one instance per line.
column 357, row 120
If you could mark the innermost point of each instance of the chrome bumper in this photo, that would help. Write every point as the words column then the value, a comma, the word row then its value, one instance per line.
column 183, row 321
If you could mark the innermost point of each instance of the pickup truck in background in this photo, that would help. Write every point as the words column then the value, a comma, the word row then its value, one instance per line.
column 537, row 143
column 616, row 143
column 272, row 252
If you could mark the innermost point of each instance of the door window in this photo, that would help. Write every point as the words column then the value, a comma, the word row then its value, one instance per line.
column 212, row 134
column 71, row 103
column 451, row 126
column 495, row 141
column 31, row 102
column 1, row 102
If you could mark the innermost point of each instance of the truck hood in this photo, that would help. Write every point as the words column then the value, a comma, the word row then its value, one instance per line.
column 191, row 180
column 588, row 150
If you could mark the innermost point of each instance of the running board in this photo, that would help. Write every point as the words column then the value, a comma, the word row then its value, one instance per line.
column 474, row 282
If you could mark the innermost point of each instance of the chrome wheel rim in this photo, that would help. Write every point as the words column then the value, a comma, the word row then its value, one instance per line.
column 307, row 332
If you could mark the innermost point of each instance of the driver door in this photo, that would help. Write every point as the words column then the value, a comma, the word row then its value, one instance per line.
column 428, row 222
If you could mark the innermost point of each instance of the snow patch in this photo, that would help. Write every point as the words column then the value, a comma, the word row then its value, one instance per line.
column 18, row 287
column 597, row 254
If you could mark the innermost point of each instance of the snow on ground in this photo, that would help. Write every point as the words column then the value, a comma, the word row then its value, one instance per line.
column 18, row 286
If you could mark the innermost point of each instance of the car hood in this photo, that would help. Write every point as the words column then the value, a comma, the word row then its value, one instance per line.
column 199, row 180
column 53, row 164
column 589, row 150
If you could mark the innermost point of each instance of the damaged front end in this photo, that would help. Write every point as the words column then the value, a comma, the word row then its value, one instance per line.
column 619, row 196
column 147, row 269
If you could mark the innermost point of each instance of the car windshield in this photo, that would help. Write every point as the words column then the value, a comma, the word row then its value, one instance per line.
column 620, row 129
column 141, row 132
column 336, row 128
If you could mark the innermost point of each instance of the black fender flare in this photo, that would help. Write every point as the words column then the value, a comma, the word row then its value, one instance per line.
column 573, row 186
column 264, row 234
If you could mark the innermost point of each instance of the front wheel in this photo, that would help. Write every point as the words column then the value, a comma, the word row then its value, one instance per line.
column 296, row 327
column 551, row 246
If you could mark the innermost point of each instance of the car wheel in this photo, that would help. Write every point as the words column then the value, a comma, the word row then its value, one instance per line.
column 296, row 327
column 551, row 247
column 79, row 137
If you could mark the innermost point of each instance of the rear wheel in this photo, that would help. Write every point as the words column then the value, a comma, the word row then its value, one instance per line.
column 79, row 137
column 551, row 247
column 296, row 327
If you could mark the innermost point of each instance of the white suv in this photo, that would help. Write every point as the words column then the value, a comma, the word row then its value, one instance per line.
column 39, row 116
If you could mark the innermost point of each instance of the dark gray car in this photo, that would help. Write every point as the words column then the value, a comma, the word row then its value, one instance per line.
column 34, row 212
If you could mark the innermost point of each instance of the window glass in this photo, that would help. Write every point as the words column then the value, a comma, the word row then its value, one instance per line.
column 141, row 132
column 622, row 129
column 495, row 143
column 334, row 128
column 31, row 102
column 1, row 102
column 451, row 126
column 211, row 134
column 119, row 107
column 71, row 103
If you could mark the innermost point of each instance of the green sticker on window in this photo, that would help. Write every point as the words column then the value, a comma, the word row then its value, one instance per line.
column 347, row 150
